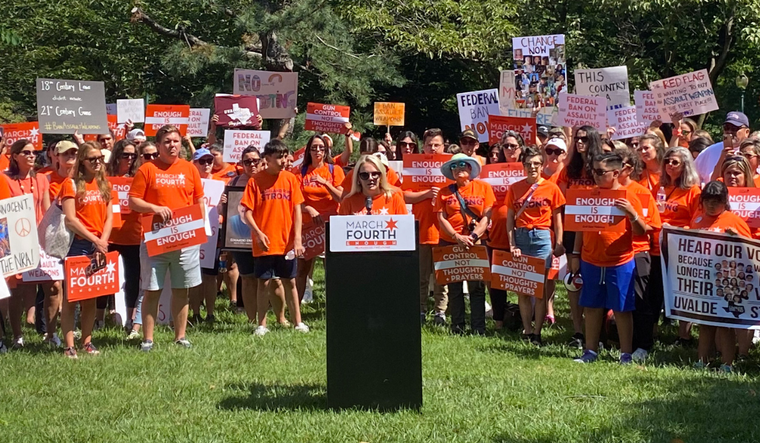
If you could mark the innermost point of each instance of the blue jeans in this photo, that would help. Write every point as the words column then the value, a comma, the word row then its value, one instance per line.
column 535, row 243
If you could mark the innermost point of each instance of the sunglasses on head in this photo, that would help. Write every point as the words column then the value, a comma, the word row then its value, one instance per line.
column 672, row 162
column 152, row 156
column 205, row 161
column 459, row 165
column 557, row 151
column 251, row 161
column 128, row 156
column 367, row 175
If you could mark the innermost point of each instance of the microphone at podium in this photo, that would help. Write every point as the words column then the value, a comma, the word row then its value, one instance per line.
column 368, row 205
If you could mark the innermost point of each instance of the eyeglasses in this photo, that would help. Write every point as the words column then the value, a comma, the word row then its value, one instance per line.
column 205, row 161
column 367, row 175
column 510, row 147
column 673, row 162
column 533, row 164
column 28, row 153
column 583, row 140
column 95, row 160
column 317, row 148
column 459, row 165
column 128, row 155
column 550, row 151
column 411, row 145
column 601, row 172
column 152, row 156
column 251, row 162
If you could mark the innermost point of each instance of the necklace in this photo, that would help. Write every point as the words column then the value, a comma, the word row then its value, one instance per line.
column 21, row 184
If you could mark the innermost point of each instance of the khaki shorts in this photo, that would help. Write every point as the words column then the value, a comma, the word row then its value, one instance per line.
column 184, row 268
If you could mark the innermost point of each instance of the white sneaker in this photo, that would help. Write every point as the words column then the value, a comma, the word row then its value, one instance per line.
column 308, row 293
column 301, row 327
column 18, row 343
column 261, row 331
column 639, row 355
column 133, row 335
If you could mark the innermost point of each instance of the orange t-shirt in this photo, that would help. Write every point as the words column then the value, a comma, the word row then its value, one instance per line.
column 650, row 180
column 726, row 219
column 428, row 221
column 652, row 217
column 564, row 182
column 477, row 194
column 56, row 180
column 175, row 186
column 92, row 210
column 337, row 160
column 5, row 161
column 538, row 211
column 130, row 232
column 390, row 175
column 37, row 185
column 381, row 205
column 273, row 199
column 680, row 207
column 497, row 233
column 605, row 249
column 47, row 170
column 315, row 194
column 225, row 174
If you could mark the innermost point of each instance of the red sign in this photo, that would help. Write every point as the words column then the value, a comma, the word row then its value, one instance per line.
column 298, row 159
column 119, row 131
column 83, row 284
column 745, row 202
column 313, row 239
column 423, row 171
column 157, row 116
column 457, row 264
column 500, row 176
column 186, row 228
column 326, row 118
column 235, row 111
column 121, row 185
column 29, row 130
column 498, row 125
column 594, row 210
column 523, row 275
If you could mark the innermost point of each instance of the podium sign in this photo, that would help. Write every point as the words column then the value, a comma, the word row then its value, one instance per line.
column 374, row 348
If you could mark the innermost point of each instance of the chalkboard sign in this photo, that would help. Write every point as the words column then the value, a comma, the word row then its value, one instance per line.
column 68, row 106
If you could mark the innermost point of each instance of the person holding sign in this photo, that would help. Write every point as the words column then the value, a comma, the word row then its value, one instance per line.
column 370, row 192
column 273, row 206
column 86, row 201
column 534, row 206
column 464, row 211
column 652, row 151
column 159, row 188
column 606, row 262
column 715, row 215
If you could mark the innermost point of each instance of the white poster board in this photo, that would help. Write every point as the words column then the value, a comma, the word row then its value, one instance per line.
column 365, row 233
column 474, row 109
column 19, row 246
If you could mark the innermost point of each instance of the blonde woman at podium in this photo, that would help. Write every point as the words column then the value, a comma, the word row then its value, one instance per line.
column 370, row 191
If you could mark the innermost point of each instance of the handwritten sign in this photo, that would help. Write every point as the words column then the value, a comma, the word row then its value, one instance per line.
column 235, row 142
column 186, row 228
column 544, row 117
column 68, row 106
column 29, row 130
column 690, row 94
column 474, row 109
column 646, row 108
column 501, row 176
column 157, row 116
column 498, row 125
column 133, row 109
column 84, row 284
column 540, row 70
column 423, row 171
column 625, row 122
column 277, row 91
column 389, row 114
column 457, row 264
column 524, row 275
column 198, row 122
column 611, row 83
column 745, row 202
column 541, row 45
column 577, row 110
column 594, row 210
column 19, row 245
column 507, row 91
column 49, row 269
column 326, row 118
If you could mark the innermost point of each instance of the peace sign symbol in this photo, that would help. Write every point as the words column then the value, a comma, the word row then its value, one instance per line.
column 23, row 227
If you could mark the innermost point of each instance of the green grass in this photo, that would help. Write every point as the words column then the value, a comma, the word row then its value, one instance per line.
column 235, row 387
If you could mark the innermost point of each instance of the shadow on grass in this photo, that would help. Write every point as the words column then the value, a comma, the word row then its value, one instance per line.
column 276, row 397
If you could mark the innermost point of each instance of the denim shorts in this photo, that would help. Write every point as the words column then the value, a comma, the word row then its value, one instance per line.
column 535, row 243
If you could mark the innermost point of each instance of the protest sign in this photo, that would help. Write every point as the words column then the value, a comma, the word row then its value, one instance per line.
column 69, row 106
column 82, row 283
column 423, row 171
column 111, row 109
column 745, row 202
column 121, row 185
column 116, row 221
column 236, row 233
column 594, row 210
column 646, row 108
column 558, row 269
column 198, row 122
column 157, row 116
column 611, row 83
column 474, row 109
column 690, row 94
column 313, row 238
column 277, row 91
column 539, row 66
column 500, row 176
column 545, row 116
column 576, row 110
column 389, row 114
column 367, row 233
column 523, row 275
column 119, row 130
column 212, row 195
column 49, row 269
column 507, row 91
column 497, row 125
column 186, row 228
column 326, row 118
column 133, row 110
column 235, row 142
column 457, row 264
column 711, row 278
column 625, row 123
column 236, row 110
column 16, row 131
column 298, row 159
column 19, row 247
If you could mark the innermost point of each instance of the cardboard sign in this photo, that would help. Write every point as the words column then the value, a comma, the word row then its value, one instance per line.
column 157, row 116
column 690, row 94
column 186, row 228
column 540, row 71
column 367, row 233
column 389, row 114
column 133, row 110
column 594, row 210
column 84, row 284
column 313, row 238
column 326, row 118
column 626, row 123
column 277, row 91
column 646, row 108
column 611, row 83
column 507, row 91
column 119, row 131
column 501, row 175
column 49, row 269
column 541, row 45
column 16, row 131
column 457, row 264
column 474, row 109
column 711, row 278
column 577, row 110
column 69, row 106
column 198, row 122
column 235, row 142
column 524, row 275
column 745, row 202
column 19, row 247
column 423, row 171
column 498, row 125
column 236, row 110
column 122, row 185
column 111, row 109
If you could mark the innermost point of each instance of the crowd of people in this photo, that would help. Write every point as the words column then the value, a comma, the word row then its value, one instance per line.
column 621, row 271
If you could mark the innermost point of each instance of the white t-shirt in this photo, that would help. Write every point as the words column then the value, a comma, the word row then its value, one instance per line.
column 706, row 161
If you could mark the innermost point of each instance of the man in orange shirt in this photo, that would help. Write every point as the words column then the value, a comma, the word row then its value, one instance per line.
column 221, row 170
column 161, row 187
column 273, row 203
column 606, row 262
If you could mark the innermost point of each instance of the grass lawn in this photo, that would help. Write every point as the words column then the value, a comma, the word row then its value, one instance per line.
column 234, row 387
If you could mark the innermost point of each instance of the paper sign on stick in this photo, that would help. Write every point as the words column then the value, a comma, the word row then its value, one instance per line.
column 83, row 284
column 500, row 176
column 157, row 116
column 326, row 118
column 474, row 109
column 29, row 130
column 277, row 91
column 524, row 275
column 646, row 108
column 497, row 125
column 389, row 114
column 577, row 110
column 133, row 109
column 594, row 210
column 745, row 202
column 199, row 121
column 186, row 228
column 19, row 247
column 690, row 94
column 423, row 171
column 235, row 142
column 611, row 83
column 457, row 264
column 625, row 123
column 69, row 106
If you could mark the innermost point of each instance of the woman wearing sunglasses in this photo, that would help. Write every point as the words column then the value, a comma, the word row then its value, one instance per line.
column 148, row 153
column 512, row 145
column 406, row 143
column 370, row 191
column 464, row 226
column 651, row 150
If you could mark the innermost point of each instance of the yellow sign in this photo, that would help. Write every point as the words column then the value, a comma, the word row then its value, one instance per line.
column 389, row 114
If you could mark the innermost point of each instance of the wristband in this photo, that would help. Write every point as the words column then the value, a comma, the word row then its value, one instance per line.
column 635, row 219
column 576, row 253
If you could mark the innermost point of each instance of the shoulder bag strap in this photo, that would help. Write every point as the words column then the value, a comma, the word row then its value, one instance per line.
column 528, row 198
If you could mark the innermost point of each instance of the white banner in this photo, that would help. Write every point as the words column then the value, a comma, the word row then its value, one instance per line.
column 625, row 123
column 235, row 142
column 474, row 109
column 19, row 247
column 577, row 110
column 366, row 233
column 611, row 83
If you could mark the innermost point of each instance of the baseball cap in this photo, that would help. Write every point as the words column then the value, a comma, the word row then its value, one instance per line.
column 64, row 146
column 737, row 118
column 469, row 133
column 382, row 157
column 557, row 143
column 135, row 134
column 200, row 153
column 542, row 131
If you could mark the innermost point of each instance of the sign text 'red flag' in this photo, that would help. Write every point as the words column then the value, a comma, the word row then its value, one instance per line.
column 83, row 284
column 594, row 210
column 423, row 171
column 160, row 115
column 457, row 264
column 745, row 202
column 498, row 125
column 523, row 275
column 29, row 130
column 326, row 118
column 500, row 176
column 186, row 228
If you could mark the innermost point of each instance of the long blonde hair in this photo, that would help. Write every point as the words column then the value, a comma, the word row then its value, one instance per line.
column 356, row 185
column 100, row 176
